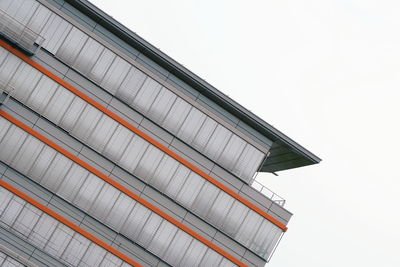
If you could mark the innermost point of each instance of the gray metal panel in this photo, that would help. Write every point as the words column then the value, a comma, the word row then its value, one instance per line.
column 227, row 246
column 183, row 86
column 239, row 249
column 200, row 85
column 192, row 155
column 218, row 109
column 280, row 213
column 253, row 259
column 110, row 37
column 223, row 175
column 3, row 168
column 125, row 112
column 67, row 8
column 126, row 178
column 146, row 192
column 99, row 229
column 204, row 228
column 164, row 202
column 16, row 179
column 46, row 59
column 161, row 72
column 66, row 210
column 87, row 86
column 57, row 132
column 76, row 216
column 115, row 49
column 47, row 129
column 26, row 250
column 130, row 249
column 16, row 109
column 156, row 131
column 96, row 159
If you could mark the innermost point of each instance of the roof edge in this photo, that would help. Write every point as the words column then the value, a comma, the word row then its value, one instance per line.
column 192, row 79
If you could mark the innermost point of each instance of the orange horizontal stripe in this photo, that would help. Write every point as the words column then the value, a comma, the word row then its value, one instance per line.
column 120, row 187
column 143, row 135
column 68, row 223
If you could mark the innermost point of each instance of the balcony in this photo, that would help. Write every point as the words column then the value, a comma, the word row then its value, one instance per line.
column 268, row 193
column 19, row 35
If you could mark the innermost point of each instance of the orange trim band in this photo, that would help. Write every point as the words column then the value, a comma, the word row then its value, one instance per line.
column 68, row 223
column 120, row 187
column 143, row 135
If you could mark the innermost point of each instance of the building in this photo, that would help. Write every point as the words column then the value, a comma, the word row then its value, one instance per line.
column 113, row 154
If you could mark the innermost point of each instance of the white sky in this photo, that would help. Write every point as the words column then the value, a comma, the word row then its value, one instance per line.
column 326, row 73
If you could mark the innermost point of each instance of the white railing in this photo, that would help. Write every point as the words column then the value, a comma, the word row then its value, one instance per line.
column 19, row 33
column 268, row 193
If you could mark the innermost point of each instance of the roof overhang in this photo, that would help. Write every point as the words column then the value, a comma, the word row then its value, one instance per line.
column 285, row 153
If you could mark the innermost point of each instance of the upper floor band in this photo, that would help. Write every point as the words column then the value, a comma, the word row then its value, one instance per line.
column 109, row 137
column 57, row 236
column 124, row 79
column 103, row 198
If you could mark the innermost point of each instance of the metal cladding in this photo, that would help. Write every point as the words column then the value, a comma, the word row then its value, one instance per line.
column 105, row 163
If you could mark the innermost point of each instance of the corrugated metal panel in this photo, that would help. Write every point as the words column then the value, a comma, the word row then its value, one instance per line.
column 202, row 86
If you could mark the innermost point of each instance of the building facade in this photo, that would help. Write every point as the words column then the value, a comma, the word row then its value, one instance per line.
column 113, row 154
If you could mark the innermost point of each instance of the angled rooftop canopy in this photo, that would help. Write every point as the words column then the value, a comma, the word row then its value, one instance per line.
column 285, row 153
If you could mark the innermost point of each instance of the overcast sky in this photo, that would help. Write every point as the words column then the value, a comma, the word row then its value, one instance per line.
column 326, row 73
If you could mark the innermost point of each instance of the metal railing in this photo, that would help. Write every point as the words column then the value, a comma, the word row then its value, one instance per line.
column 19, row 33
column 268, row 193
